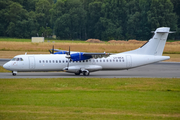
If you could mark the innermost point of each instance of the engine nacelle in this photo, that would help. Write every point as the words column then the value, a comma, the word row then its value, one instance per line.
column 76, row 69
column 72, row 69
column 79, row 56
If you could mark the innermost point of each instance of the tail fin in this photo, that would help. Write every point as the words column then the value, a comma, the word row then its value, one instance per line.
column 155, row 45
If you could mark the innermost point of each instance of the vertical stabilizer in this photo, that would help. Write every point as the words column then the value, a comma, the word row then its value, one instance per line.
column 155, row 45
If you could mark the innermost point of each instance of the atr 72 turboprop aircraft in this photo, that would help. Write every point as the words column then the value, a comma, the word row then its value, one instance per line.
column 81, row 62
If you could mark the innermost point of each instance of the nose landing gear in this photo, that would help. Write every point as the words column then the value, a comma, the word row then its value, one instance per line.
column 14, row 73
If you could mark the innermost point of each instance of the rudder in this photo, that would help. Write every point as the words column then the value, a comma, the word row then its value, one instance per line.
column 155, row 45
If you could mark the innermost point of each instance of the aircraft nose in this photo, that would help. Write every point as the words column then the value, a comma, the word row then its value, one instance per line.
column 6, row 66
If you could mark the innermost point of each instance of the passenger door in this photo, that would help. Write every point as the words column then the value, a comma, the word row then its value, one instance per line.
column 31, row 62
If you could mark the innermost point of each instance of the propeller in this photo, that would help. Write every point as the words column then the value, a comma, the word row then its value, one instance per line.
column 68, row 56
column 52, row 52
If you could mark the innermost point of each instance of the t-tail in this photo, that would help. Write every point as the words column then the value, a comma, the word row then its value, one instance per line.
column 155, row 45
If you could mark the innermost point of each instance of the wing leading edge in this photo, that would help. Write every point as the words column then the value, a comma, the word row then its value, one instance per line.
column 78, row 56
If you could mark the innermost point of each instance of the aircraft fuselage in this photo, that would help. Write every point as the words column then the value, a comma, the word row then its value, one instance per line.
column 53, row 62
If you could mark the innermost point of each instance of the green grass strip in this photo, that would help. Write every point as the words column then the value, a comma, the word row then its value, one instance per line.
column 90, row 98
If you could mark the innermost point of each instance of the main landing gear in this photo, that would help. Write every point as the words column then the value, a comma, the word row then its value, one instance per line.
column 85, row 73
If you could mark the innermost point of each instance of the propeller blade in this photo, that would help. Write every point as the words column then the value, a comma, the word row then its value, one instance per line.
column 68, row 63
column 69, row 50
column 50, row 51
column 69, row 57
column 53, row 50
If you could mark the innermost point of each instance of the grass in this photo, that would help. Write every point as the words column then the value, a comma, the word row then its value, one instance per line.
column 46, row 40
column 85, row 47
column 3, row 70
column 173, row 57
column 9, row 49
column 15, row 40
column 90, row 98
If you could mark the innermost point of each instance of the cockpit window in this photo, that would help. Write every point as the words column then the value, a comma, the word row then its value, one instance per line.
column 21, row 59
column 17, row 59
column 14, row 59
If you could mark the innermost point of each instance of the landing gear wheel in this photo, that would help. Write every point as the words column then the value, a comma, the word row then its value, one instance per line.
column 14, row 74
column 86, row 73
column 78, row 73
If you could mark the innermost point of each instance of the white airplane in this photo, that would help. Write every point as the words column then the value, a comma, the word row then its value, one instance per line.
column 80, row 62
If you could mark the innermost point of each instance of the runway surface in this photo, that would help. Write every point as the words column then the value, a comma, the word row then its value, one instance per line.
column 156, row 70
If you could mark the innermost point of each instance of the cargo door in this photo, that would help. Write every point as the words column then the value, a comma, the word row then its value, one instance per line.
column 128, row 61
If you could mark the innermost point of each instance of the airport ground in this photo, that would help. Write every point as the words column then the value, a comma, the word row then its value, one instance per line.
column 90, row 98
column 145, row 94
column 156, row 70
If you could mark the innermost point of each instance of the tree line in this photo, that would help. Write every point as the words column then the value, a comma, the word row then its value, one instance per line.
column 84, row 19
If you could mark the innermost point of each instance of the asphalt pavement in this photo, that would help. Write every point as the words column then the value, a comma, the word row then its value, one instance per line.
column 155, row 70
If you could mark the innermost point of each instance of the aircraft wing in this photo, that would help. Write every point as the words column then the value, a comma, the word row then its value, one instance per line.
column 97, row 55
column 78, row 56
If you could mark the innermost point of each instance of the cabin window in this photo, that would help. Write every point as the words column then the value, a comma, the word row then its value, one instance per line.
column 109, row 60
column 39, row 61
column 63, row 61
column 96, row 60
column 100, row 61
column 119, row 60
column 116, row 60
column 106, row 60
column 103, row 60
column 20, row 59
column 86, row 60
column 43, row 61
column 59, row 61
column 46, row 61
column 49, row 61
column 53, row 61
column 56, row 61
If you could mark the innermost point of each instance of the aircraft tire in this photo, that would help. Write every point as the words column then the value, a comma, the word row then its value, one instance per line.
column 78, row 73
column 86, row 73
column 14, row 74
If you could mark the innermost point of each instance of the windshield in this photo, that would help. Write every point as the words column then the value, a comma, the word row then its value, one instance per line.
column 17, row 59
